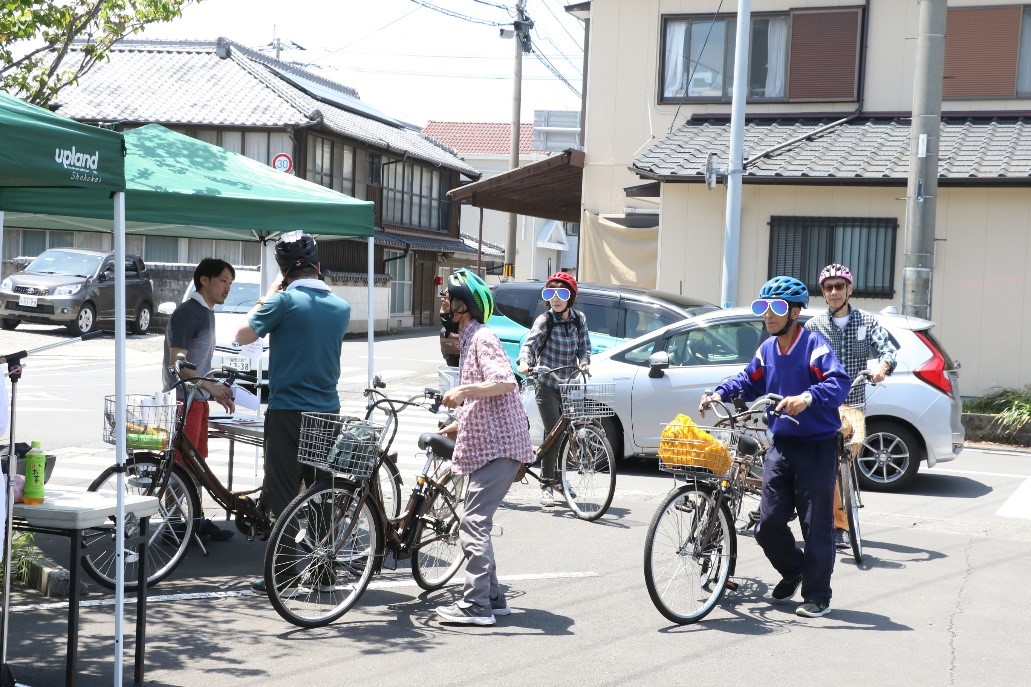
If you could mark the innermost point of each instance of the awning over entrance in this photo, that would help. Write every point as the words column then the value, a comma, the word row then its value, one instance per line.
column 549, row 189
column 441, row 245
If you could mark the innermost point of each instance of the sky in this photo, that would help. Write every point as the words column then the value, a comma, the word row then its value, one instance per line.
column 405, row 59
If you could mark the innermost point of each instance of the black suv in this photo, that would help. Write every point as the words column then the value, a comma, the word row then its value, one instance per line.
column 614, row 314
column 76, row 288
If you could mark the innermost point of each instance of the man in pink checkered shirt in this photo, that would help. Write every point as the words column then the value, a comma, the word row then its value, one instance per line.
column 492, row 444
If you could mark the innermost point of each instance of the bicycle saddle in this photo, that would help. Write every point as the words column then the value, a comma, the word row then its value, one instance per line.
column 438, row 443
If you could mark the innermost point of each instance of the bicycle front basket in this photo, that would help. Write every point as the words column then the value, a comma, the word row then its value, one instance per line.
column 584, row 401
column 344, row 445
column 692, row 448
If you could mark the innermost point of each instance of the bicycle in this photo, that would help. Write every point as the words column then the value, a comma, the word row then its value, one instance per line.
column 158, row 424
column 587, row 468
column 849, row 440
column 331, row 539
column 690, row 551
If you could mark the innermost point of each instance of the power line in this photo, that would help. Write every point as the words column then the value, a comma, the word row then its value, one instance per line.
column 491, row 4
column 457, row 15
column 545, row 3
column 560, row 53
column 554, row 70
column 371, row 33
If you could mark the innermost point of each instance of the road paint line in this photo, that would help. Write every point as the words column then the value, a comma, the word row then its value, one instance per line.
column 130, row 597
column 981, row 474
column 1018, row 505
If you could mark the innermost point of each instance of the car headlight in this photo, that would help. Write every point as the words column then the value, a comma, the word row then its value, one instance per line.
column 6, row 285
column 67, row 290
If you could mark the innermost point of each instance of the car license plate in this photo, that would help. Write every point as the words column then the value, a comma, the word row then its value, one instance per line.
column 27, row 301
column 238, row 363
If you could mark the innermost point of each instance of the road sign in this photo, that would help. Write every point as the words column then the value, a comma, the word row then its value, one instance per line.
column 283, row 162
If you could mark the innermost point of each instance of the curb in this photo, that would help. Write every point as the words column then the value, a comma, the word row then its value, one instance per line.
column 47, row 577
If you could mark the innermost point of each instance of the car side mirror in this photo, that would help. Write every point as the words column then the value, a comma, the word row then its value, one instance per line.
column 166, row 308
column 657, row 362
column 102, row 277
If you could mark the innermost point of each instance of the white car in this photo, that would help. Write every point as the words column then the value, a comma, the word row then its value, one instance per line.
column 913, row 417
column 232, row 315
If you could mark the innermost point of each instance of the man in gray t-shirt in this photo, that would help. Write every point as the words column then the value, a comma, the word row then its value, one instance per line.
column 191, row 331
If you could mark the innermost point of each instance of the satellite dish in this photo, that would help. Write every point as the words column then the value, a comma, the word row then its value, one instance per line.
column 709, row 171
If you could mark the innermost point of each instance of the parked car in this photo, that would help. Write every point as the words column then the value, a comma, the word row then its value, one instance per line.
column 614, row 314
column 229, row 317
column 912, row 417
column 76, row 288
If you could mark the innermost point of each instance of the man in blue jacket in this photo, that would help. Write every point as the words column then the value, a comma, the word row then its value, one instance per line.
column 800, row 466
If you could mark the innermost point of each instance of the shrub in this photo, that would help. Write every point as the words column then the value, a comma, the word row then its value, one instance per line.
column 1013, row 407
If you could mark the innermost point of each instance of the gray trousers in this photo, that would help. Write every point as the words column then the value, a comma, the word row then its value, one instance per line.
column 487, row 487
column 549, row 402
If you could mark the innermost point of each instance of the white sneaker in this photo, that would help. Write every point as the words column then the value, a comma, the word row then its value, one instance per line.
column 499, row 605
column 547, row 497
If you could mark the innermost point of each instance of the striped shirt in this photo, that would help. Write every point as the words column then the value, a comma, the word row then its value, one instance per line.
column 494, row 427
column 569, row 343
column 862, row 339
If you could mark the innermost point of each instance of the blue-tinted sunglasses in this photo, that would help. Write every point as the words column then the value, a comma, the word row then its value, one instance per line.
column 548, row 294
column 777, row 305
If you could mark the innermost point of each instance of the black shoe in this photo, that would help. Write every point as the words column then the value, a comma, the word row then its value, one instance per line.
column 213, row 531
column 786, row 588
column 258, row 585
column 841, row 539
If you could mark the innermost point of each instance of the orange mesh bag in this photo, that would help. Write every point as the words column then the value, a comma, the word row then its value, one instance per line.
column 684, row 446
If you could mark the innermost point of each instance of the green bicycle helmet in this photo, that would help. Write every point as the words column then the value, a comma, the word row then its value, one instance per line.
column 469, row 288
column 786, row 288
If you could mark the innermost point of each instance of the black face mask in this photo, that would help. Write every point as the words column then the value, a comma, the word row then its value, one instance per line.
column 447, row 320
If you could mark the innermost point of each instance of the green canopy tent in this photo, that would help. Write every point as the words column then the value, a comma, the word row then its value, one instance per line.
column 180, row 186
column 41, row 150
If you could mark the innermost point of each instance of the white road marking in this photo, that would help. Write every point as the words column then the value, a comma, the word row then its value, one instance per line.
column 982, row 474
column 1018, row 505
column 130, row 597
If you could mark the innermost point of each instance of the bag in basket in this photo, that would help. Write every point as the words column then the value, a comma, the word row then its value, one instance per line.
column 353, row 449
column 684, row 443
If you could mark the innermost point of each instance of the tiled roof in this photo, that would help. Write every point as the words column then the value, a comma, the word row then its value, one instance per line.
column 188, row 84
column 861, row 150
column 467, row 138
column 489, row 249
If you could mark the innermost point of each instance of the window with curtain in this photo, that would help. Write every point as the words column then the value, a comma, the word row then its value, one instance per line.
column 320, row 161
column 400, row 282
column 412, row 195
column 802, row 246
column 819, row 49
column 161, row 249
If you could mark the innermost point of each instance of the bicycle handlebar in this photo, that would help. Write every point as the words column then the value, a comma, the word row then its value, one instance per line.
column 538, row 370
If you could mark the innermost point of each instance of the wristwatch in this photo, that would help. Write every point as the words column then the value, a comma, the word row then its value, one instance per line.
column 807, row 397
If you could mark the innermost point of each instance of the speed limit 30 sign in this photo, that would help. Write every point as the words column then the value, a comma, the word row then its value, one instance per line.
column 283, row 162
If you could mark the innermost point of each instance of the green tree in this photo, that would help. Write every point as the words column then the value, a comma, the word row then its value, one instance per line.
column 37, row 36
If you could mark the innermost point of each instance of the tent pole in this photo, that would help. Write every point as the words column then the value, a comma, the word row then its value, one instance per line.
column 119, row 239
column 1, row 244
column 372, row 306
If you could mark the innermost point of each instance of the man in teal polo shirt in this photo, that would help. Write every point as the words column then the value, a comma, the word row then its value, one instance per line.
column 305, row 322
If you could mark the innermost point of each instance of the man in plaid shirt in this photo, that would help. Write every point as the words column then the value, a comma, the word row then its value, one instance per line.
column 492, row 443
column 856, row 338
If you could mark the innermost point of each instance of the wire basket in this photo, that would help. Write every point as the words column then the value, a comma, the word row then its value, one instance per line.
column 853, row 425
column 697, row 449
column 344, row 445
column 585, row 401
column 448, row 378
column 149, row 420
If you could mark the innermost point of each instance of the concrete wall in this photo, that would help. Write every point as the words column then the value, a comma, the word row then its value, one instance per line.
column 981, row 293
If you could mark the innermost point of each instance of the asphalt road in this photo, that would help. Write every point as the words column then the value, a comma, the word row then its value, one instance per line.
column 940, row 599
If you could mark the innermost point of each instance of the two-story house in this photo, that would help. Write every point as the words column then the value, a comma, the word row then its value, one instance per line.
column 282, row 115
column 826, row 155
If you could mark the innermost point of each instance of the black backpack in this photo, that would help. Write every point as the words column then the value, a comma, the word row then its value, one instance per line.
column 550, row 322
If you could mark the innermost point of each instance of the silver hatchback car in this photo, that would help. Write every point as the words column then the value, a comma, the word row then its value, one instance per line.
column 913, row 417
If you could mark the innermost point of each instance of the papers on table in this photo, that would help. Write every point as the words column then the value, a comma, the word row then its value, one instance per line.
column 245, row 399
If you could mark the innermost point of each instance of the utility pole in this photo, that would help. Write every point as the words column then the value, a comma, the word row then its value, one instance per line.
column 521, row 29
column 924, row 139
column 732, row 221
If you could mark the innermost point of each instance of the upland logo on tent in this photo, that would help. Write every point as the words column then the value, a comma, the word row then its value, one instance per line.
column 76, row 160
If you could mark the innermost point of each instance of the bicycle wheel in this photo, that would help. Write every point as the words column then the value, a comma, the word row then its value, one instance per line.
column 321, row 554
column 689, row 554
column 588, row 472
column 850, row 502
column 168, row 534
column 437, row 553
column 389, row 480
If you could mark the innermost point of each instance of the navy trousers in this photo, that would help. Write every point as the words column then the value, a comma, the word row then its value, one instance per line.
column 799, row 476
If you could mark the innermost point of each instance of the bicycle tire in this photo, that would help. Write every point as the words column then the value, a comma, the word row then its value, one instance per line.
column 850, row 502
column 389, row 480
column 588, row 471
column 689, row 554
column 437, row 553
column 311, row 576
column 169, row 532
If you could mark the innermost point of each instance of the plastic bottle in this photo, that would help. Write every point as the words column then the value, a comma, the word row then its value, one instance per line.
column 147, row 440
column 35, row 471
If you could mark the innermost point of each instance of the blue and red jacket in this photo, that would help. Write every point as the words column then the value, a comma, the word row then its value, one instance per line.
column 809, row 365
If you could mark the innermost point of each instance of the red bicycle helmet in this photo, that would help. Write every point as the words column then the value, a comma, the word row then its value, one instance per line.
column 835, row 270
column 566, row 278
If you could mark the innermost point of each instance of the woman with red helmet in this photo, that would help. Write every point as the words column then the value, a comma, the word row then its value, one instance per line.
column 558, row 338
